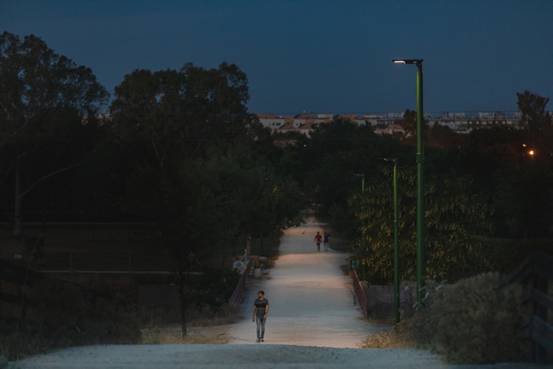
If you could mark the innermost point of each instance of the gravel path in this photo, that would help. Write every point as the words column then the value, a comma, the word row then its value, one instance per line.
column 313, row 324
column 237, row 356
column 310, row 298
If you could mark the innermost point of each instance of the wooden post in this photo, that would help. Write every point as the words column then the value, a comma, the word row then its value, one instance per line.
column 17, row 228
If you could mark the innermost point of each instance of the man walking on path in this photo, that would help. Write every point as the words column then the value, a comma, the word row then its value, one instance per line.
column 318, row 239
column 259, row 314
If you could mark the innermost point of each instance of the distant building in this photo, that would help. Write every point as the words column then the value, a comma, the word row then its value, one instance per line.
column 388, row 123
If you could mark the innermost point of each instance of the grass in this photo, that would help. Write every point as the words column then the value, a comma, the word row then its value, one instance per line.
column 388, row 339
column 196, row 335
column 204, row 326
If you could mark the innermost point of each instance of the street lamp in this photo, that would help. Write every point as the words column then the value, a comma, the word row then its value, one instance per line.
column 407, row 61
column 362, row 180
column 529, row 150
column 363, row 259
column 396, row 238
column 420, row 163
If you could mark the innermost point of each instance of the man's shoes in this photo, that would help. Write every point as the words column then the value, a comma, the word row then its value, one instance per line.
column 258, row 340
column 262, row 340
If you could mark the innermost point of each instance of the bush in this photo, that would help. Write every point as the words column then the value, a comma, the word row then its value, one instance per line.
column 471, row 321
column 64, row 314
column 212, row 288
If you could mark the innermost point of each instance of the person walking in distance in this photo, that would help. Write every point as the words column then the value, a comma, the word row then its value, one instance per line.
column 259, row 314
column 318, row 239
column 326, row 240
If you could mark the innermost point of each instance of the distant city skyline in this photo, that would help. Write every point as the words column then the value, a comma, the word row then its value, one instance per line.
column 309, row 55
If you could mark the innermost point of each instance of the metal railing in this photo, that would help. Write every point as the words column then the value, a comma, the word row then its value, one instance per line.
column 239, row 292
column 360, row 293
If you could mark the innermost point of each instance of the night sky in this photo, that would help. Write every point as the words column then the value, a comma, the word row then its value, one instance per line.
column 325, row 56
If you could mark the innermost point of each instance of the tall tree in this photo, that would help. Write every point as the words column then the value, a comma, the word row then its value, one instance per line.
column 37, row 87
column 170, row 121
column 534, row 116
column 409, row 122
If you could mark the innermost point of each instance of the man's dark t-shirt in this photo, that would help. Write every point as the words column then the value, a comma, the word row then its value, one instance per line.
column 260, row 306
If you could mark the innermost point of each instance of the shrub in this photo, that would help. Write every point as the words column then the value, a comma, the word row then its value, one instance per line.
column 63, row 314
column 471, row 321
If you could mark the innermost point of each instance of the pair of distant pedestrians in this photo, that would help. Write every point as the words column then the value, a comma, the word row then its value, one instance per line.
column 325, row 238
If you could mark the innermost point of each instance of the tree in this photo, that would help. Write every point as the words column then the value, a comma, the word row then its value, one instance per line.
column 532, row 106
column 409, row 122
column 191, row 139
column 40, row 92
column 455, row 213
column 326, row 162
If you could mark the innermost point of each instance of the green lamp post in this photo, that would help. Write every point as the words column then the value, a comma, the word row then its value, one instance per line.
column 420, row 172
column 396, row 239
column 362, row 176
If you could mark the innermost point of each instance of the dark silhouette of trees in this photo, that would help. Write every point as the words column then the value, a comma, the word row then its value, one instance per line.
column 191, row 144
column 44, row 97
column 409, row 122
column 178, row 147
column 534, row 116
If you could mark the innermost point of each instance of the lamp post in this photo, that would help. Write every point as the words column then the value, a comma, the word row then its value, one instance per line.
column 396, row 239
column 362, row 181
column 363, row 267
column 420, row 165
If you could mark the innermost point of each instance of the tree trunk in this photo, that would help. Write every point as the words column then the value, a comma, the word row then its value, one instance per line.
column 248, row 245
column 17, row 199
column 182, row 300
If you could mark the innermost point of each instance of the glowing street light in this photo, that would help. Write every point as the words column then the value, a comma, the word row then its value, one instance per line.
column 407, row 61
column 531, row 152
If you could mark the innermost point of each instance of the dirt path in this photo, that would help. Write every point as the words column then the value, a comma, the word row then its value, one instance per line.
column 310, row 298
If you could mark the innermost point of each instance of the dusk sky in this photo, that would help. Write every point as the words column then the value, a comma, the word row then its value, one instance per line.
column 324, row 56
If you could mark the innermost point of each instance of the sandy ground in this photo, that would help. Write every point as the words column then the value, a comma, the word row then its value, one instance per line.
column 313, row 324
